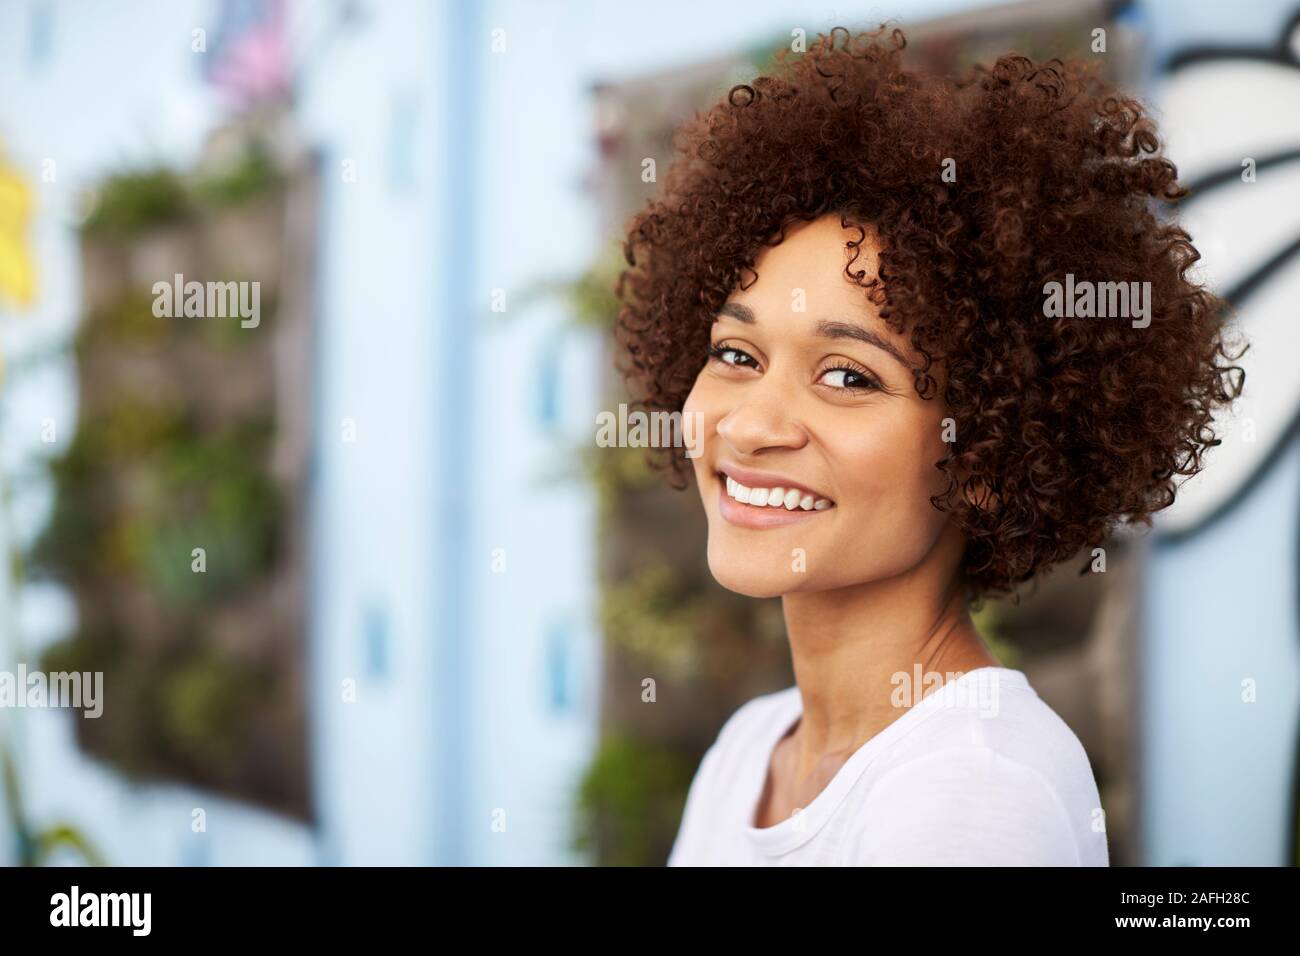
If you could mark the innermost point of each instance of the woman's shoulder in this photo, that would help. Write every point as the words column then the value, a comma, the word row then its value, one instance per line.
column 732, row 755
column 761, row 710
column 998, row 711
column 1005, row 765
column 756, row 718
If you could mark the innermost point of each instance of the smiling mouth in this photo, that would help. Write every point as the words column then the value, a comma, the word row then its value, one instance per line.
column 775, row 497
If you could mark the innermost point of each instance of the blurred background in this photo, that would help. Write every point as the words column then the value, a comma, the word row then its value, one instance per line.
column 362, row 585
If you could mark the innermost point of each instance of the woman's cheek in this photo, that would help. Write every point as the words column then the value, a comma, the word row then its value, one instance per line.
column 692, row 404
column 703, row 404
column 892, row 460
column 699, row 421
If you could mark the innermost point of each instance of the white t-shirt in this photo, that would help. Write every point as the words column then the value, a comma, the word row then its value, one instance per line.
column 980, row 772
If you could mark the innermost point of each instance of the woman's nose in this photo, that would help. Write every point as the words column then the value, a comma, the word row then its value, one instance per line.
column 761, row 421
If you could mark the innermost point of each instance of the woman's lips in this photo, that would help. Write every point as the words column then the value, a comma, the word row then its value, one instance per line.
column 757, row 516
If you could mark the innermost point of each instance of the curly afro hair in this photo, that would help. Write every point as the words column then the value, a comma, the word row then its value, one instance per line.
column 1064, row 426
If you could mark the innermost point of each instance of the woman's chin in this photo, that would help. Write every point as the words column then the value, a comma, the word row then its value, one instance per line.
column 745, row 575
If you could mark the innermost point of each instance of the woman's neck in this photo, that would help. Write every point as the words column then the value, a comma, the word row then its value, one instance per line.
column 857, row 650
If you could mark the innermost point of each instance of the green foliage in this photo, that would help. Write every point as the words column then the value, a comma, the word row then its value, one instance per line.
column 591, row 298
column 255, row 174
column 129, row 321
column 132, row 202
column 60, row 836
column 630, row 801
column 38, row 847
column 612, row 473
column 141, row 485
column 647, row 615
column 213, row 491
column 154, row 469
column 588, row 298
column 131, row 324
column 987, row 619
column 205, row 699
column 188, row 706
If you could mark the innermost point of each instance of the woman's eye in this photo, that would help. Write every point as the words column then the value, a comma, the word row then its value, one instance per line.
column 848, row 378
column 732, row 356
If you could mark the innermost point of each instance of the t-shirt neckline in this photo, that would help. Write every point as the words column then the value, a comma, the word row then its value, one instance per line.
column 803, row 825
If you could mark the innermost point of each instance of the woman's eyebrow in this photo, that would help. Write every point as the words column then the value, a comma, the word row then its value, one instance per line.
column 826, row 329
column 847, row 330
column 737, row 311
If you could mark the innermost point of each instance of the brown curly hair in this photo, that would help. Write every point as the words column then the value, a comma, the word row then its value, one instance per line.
column 1064, row 427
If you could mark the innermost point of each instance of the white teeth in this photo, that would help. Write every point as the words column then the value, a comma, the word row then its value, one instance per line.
column 792, row 499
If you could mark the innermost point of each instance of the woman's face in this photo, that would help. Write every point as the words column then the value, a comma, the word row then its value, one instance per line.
column 807, row 390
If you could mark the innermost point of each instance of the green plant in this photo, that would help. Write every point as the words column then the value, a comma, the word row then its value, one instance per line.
column 37, row 847
column 141, row 486
column 591, row 298
column 987, row 619
column 205, row 700
column 630, row 801
column 132, row 201
column 648, row 615
column 252, row 175
column 183, row 706
column 128, row 321
column 588, row 298
column 155, row 468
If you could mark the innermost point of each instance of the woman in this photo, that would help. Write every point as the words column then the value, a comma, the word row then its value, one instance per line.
column 936, row 337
